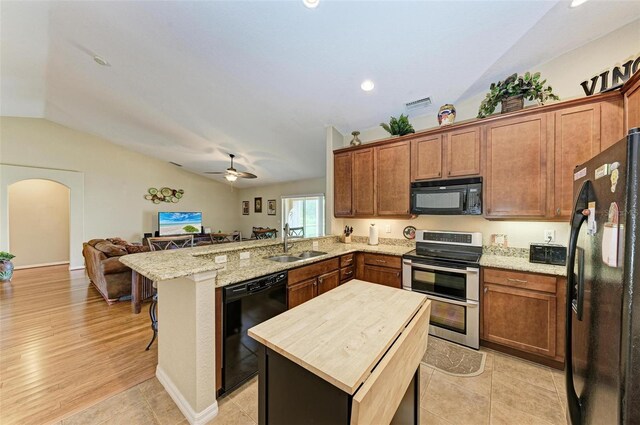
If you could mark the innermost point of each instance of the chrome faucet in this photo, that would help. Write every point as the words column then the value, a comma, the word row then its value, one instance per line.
column 285, row 238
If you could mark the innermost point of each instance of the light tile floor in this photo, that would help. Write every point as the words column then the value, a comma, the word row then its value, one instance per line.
column 509, row 391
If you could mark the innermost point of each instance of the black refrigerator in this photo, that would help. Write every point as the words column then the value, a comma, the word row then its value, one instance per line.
column 602, row 369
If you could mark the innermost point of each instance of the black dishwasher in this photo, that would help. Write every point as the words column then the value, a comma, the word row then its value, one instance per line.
column 247, row 304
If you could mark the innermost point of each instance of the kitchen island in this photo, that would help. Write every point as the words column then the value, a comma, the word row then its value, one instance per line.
column 349, row 356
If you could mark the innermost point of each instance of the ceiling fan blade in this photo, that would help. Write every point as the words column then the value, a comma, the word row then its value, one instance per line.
column 215, row 172
column 246, row 175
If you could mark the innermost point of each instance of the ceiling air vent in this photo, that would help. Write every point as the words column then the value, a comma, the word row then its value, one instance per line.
column 175, row 163
column 418, row 104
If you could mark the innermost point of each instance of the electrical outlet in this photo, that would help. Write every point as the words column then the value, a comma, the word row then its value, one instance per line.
column 387, row 228
column 549, row 236
column 221, row 259
column 315, row 245
column 245, row 255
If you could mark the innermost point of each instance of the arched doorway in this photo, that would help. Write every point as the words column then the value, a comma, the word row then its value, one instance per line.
column 74, row 180
column 39, row 223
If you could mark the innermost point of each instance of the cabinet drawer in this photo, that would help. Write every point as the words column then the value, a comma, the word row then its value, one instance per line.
column 346, row 260
column 346, row 273
column 531, row 281
column 312, row 270
column 383, row 260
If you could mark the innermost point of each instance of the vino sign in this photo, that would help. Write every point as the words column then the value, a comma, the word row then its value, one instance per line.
column 611, row 78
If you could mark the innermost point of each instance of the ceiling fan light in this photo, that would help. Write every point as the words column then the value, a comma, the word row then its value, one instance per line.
column 231, row 177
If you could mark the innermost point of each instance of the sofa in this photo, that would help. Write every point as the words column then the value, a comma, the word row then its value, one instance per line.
column 110, row 277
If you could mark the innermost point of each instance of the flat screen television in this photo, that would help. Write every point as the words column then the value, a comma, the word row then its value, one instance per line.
column 179, row 223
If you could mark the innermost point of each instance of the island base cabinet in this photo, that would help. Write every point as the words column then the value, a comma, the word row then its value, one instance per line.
column 290, row 394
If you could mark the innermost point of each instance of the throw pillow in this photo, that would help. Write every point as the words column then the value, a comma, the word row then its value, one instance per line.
column 133, row 249
column 110, row 250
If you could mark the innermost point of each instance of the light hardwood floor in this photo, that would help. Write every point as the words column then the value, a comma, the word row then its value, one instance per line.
column 63, row 349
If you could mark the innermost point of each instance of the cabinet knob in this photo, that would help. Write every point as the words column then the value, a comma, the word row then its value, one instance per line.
column 398, row 274
column 485, row 290
column 449, row 172
column 557, row 211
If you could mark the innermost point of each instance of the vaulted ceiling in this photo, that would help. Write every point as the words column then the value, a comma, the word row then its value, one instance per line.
column 190, row 82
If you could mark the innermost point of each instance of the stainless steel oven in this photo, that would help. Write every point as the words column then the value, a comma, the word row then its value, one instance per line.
column 445, row 267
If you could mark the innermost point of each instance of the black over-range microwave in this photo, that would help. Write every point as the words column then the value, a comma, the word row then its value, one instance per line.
column 447, row 197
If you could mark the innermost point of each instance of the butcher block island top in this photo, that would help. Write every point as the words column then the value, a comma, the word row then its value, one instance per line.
column 341, row 335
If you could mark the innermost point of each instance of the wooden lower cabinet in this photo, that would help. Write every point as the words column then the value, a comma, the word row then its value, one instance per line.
column 347, row 267
column 378, row 268
column 307, row 282
column 327, row 282
column 524, row 311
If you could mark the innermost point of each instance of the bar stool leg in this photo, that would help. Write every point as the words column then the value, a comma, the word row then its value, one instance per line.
column 153, row 314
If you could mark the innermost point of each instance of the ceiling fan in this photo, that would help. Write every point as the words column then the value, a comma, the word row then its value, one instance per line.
column 231, row 174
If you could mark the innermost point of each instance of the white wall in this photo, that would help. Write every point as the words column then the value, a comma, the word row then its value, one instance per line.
column 39, row 222
column 115, row 179
column 276, row 191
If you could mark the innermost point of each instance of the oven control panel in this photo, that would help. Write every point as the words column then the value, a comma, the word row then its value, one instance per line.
column 454, row 238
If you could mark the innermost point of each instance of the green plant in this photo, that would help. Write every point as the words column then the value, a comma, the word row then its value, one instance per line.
column 190, row 229
column 398, row 126
column 6, row 256
column 528, row 86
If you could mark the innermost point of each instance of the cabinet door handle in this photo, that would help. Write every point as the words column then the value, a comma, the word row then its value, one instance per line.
column 398, row 274
column 381, row 261
column 516, row 280
column 486, row 290
column 350, row 272
column 557, row 211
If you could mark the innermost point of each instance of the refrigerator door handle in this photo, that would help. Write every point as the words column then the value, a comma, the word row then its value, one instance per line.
column 581, row 212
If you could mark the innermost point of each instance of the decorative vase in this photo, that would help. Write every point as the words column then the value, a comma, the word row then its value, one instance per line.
column 446, row 114
column 355, row 141
column 6, row 270
column 513, row 103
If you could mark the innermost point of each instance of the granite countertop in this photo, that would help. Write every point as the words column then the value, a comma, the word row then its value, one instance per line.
column 520, row 264
column 166, row 265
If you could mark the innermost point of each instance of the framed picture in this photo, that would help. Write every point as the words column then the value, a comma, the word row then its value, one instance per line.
column 257, row 205
column 271, row 207
column 245, row 207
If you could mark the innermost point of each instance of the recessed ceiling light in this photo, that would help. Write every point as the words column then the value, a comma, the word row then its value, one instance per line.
column 100, row 60
column 576, row 3
column 311, row 4
column 367, row 85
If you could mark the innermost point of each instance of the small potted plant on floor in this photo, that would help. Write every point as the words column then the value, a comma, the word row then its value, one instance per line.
column 513, row 91
column 6, row 266
column 398, row 126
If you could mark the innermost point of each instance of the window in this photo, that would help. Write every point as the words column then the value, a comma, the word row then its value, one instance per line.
column 306, row 212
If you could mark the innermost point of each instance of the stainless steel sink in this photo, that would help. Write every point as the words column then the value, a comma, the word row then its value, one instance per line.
column 284, row 258
column 310, row 254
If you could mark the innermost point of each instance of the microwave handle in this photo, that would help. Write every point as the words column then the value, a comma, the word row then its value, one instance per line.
column 444, row 269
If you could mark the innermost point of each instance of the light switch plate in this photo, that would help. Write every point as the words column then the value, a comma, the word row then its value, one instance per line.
column 387, row 228
column 221, row 259
column 245, row 255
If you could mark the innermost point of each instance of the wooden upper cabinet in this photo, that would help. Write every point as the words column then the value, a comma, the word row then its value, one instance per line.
column 577, row 139
column 426, row 157
column 515, row 181
column 342, row 184
column 611, row 122
column 632, row 103
column 462, row 152
column 363, row 182
column 393, row 178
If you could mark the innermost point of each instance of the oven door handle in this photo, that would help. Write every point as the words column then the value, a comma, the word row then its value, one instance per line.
column 444, row 269
column 470, row 304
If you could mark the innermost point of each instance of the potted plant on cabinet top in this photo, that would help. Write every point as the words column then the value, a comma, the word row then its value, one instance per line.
column 6, row 266
column 513, row 90
column 398, row 126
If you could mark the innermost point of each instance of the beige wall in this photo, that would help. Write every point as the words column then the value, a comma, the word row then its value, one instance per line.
column 276, row 191
column 38, row 222
column 115, row 179
column 564, row 73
